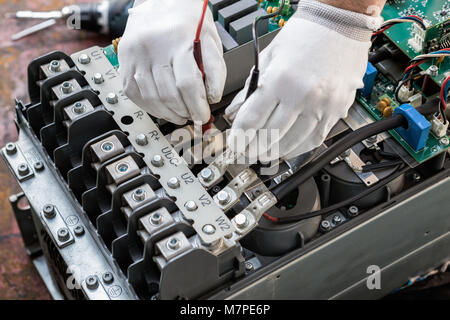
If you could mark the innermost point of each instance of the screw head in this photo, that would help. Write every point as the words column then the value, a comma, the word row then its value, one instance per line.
column 112, row 98
column 55, row 66
column 38, row 166
column 156, row 218
column 66, row 87
column 433, row 70
column 78, row 230
column 325, row 225
column 78, row 108
column 63, row 234
column 84, row 58
column 241, row 220
column 107, row 277
column 173, row 243
column 157, row 161
column 173, row 183
column 23, row 169
column 337, row 219
column 209, row 229
column 353, row 211
column 138, row 195
column 207, row 174
column 249, row 266
column 223, row 197
column 91, row 282
column 11, row 148
column 444, row 141
column 122, row 167
column 98, row 78
column 390, row 88
column 141, row 139
column 107, row 146
column 191, row 205
column 49, row 211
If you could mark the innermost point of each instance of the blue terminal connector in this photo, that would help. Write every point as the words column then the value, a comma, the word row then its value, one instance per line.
column 416, row 135
column 369, row 80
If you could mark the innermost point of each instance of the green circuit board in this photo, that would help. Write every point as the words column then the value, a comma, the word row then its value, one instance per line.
column 435, row 13
column 274, row 22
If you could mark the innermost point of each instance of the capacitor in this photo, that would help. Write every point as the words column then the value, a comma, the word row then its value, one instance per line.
column 382, row 105
column 281, row 23
column 387, row 100
column 269, row 9
column 387, row 112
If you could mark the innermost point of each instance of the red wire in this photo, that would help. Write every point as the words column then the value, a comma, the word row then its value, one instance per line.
column 443, row 97
column 273, row 219
column 200, row 24
column 414, row 65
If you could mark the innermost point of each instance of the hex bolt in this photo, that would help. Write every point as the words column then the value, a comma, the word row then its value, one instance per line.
column 11, row 148
column 325, row 225
column 353, row 211
column 98, row 78
column 63, row 234
column 156, row 218
column 191, row 205
column 112, row 98
column 55, row 66
column 84, row 58
column 372, row 139
column 433, row 70
column 92, row 282
column 139, row 195
column 444, row 141
column 241, row 220
column 157, row 161
column 122, row 167
column 78, row 108
column 249, row 266
column 141, row 139
column 107, row 146
column 223, row 197
column 107, row 277
column 66, row 87
column 23, row 169
column 78, row 230
column 209, row 229
column 337, row 219
column 173, row 183
column 38, row 166
column 207, row 174
column 173, row 243
column 49, row 211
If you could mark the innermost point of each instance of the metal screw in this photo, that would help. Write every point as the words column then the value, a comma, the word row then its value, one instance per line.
column 107, row 146
column 444, row 141
column 91, row 282
column 139, row 195
column 353, row 211
column 84, row 58
column 66, row 87
column 241, row 220
column 223, row 197
column 372, row 139
column 49, row 211
column 325, row 225
column 191, row 205
column 337, row 219
column 390, row 88
column 156, row 218
column 173, row 243
column 98, row 78
column 173, row 183
column 23, row 169
column 107, row 277
column 209, row 229
column 78, row 230
column 63, row 234
column 141, row 139
column 38, row 166
column 112, row 98
column 207, row 174
column 157, row 161
column 11, row 148
column 249, row 266
column 78, row 108
column 122, row 167
column 55, row 66
column 433, row 70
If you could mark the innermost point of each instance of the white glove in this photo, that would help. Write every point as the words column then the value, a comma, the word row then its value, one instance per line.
column 308, row 78
column 157, row 64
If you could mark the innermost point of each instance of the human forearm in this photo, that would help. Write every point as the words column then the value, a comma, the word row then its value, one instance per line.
column 370, row 7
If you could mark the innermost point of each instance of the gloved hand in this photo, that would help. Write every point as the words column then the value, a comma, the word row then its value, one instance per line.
column 308, row 78
column 157, row 63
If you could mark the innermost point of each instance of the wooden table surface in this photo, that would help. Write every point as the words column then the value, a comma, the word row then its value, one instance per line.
column 18, row 278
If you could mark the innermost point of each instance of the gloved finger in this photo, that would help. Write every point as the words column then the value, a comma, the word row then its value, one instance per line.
column 152, row 101
column 167, row 90
column 138, row 3
column 189, row 82
column 215, row 69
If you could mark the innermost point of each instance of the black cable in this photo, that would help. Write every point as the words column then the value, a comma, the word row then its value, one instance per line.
column 287, row 186
column 343, row 203
column 253, row 85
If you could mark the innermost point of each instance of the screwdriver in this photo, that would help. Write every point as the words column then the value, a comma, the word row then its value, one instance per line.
column 108, row 17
